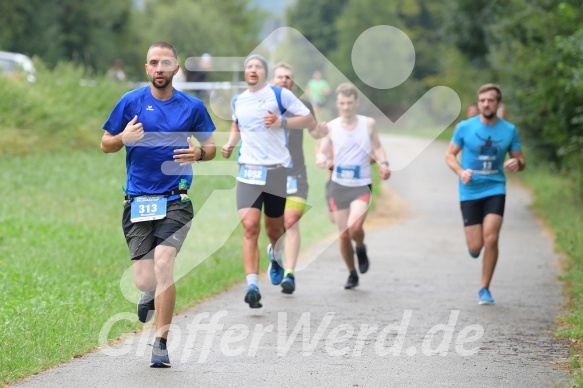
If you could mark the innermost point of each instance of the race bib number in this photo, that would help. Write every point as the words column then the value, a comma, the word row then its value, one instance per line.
column 486, row 165
column 348, row 173
column 254, row 175
column 148, row 208
column 292, row 184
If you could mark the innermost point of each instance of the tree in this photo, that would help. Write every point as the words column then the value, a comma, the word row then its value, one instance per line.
column 533, row 49
column 87, row 32
column 219, row 27
column 465, row 23
column 418, row 21
column 539, row 63
column 316, row 20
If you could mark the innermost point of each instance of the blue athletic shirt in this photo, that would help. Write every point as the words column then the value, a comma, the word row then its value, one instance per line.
column 484, row 148
column 167, row 125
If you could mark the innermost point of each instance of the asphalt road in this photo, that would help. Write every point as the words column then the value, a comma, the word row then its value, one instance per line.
column 413, row 321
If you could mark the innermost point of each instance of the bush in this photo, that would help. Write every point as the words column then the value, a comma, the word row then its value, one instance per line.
column 63, row 109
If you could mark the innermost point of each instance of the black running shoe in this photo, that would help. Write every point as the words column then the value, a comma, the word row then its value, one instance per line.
column 362, row 259
column 160, row 357
column 253, row 296
column 146, row 306
column 288, row 286
column 352, row 281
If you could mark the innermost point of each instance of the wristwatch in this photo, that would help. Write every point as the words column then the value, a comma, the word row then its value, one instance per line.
column 284, row 123
column 386, row 164
column 202, row 154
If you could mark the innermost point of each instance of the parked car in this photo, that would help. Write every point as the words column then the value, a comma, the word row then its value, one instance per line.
column 17, row 66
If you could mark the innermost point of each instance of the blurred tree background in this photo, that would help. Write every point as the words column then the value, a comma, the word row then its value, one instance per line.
column 532, row 48
column 93, row 34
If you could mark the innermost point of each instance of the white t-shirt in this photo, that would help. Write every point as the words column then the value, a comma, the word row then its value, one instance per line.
column 351, row 153
column 260, row 145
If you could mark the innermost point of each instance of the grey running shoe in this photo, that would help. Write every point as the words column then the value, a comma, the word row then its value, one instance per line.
column 160, row 357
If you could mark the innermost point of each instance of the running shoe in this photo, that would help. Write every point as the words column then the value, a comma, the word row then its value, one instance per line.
column 352, row 281
column 485, row 296
column 252, row 297
column 474, row 255
column 363, row 263
column 146, row 306
column 288, row 285
column 160, row 357
column 275, row 266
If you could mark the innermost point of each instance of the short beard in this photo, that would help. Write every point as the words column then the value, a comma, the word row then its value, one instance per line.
column 160, row 86
column 490, row 116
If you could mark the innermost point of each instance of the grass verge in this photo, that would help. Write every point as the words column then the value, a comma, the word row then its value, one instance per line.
column 557, row 201
column 62, row 251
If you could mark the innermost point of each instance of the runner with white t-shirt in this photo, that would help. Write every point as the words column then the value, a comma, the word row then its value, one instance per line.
column 264, row 159
column 355, row 140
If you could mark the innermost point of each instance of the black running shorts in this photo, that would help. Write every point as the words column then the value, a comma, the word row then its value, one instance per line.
column 474, row 211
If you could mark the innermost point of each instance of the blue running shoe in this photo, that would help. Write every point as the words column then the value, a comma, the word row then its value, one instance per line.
column 252, row 297
column 160, row 357
column 275, row 267
column 485, row 296
column 473, row 254
column 146, row 306
column 288, row 285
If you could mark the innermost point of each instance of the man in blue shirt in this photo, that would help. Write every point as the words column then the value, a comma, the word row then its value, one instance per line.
column 156, row 124
column 484, row 141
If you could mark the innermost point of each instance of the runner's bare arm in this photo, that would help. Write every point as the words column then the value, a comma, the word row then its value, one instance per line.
column 453, row 163
column 517, row 161
column 378, row 152
column 234, row 138
column 322, row 150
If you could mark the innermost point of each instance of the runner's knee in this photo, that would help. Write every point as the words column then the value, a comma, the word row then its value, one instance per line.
column 491, row 240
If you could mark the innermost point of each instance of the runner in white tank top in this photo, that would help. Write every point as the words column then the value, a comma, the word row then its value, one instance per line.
column 355, row 140
column 352, row 153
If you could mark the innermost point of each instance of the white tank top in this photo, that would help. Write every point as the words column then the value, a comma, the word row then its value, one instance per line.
column 351, row 153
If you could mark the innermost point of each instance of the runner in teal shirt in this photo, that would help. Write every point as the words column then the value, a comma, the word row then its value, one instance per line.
column 484, row 141
column 484, row 148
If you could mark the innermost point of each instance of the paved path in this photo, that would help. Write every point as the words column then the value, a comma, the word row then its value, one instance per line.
column 414, row 320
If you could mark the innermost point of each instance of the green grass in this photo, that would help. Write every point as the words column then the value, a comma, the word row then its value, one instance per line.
column 54, row 113
column 63, row 252
column 557, row 200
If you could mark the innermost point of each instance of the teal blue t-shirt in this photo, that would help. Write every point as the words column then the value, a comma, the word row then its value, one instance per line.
column 484, row 148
